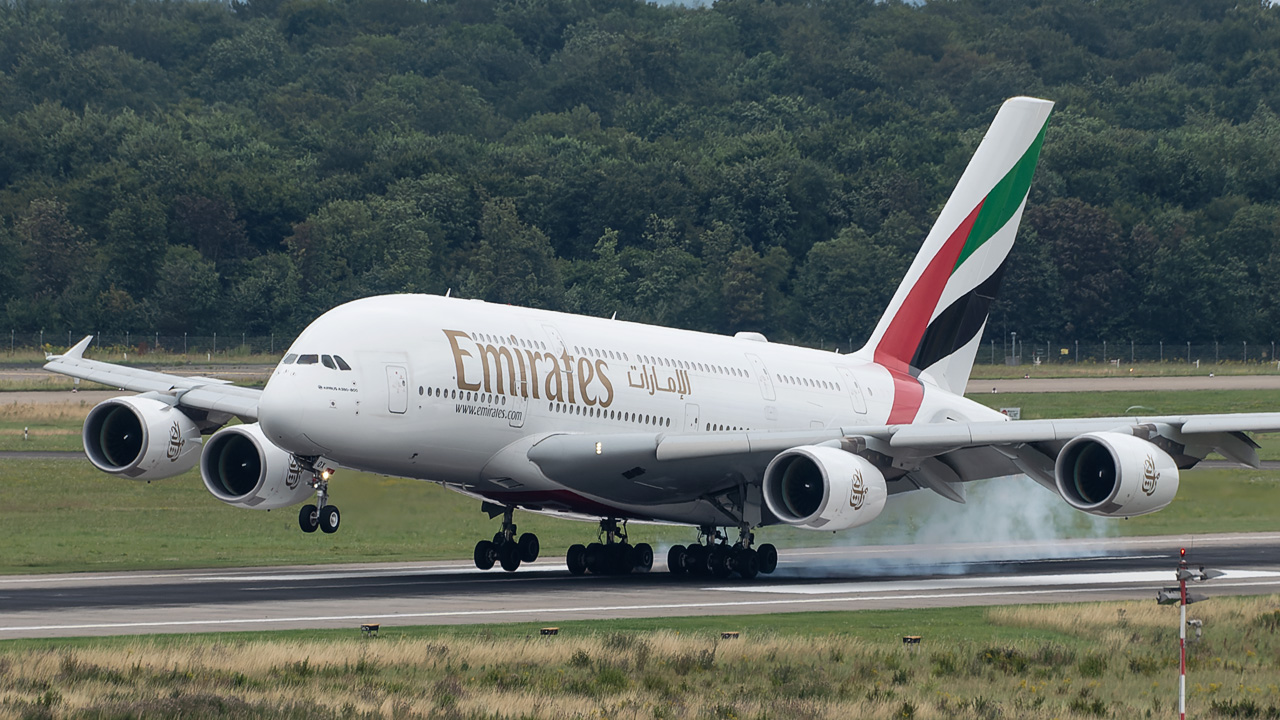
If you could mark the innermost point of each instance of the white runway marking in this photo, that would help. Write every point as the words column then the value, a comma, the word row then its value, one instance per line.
column 1145, row 577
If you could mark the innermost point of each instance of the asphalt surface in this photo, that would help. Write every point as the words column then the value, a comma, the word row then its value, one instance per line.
column 454, row 592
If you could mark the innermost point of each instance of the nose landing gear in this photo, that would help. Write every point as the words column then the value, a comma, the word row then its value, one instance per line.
column 613, row 555
column 506, row 548
column 713, row 556
column 322, row 515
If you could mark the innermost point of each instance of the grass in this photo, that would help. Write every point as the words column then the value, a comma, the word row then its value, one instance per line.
column 65, row 516
column 1066, row 661
column 983, row 371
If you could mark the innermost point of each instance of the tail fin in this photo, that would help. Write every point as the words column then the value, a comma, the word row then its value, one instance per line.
column 934, row 323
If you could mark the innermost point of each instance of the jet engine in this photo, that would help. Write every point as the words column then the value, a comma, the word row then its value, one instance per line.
column 140, row 438
column 1115, row 475
column 242, row 468
column 823, row 488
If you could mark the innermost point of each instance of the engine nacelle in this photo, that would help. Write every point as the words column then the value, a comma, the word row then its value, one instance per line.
column 1115, row 475
column 242, row 468
column 824, row 488
column 140, row 438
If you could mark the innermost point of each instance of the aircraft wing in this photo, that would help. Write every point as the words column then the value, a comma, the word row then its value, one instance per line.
column 656, row 468
column 212, row 395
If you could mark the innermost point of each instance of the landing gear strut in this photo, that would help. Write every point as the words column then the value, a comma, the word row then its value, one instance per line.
column 322, row 515
column 612, row 555
column 506, row 548
column 713, row 556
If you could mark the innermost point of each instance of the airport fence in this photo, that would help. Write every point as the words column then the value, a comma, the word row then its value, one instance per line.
column 219, row 345
column 226, row 346
column 1126, row 352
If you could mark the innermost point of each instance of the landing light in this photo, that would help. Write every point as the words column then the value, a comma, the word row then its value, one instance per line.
column 326, row 474
column 599, row 448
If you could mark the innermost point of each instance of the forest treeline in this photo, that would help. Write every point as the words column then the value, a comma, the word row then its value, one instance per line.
column 174, row 166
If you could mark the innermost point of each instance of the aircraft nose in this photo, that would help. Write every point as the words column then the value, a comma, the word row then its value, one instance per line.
column 282, row 415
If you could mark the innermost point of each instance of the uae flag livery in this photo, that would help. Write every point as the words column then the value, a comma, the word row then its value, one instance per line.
column 934, row 323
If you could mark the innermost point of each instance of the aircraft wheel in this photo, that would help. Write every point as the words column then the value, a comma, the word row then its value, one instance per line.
column 619, row 562
column 768, row 557
column 695, row 559
column 576, row 559
column 330, row 518
column 642, row 557
column 309, row 518
column 499, row 539
column 675, row 560
column 595, row 557
column 529, row 547
column 509, row 556
column 747, row 563
column 484, row 555
column 720, row 562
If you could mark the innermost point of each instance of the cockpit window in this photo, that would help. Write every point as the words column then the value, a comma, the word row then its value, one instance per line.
column 308, row 359
column 328, row 362
column 342, row 364
column 288, row 359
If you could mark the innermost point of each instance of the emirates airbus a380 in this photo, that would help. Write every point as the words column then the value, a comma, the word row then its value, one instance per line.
column 615, row 421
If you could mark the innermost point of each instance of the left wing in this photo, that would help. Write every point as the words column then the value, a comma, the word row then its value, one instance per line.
column 217, row 397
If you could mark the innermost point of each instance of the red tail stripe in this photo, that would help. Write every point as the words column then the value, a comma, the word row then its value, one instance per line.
column 908, row 394
column 902, row 337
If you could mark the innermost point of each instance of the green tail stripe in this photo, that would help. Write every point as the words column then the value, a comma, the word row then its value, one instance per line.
column 1003, row 200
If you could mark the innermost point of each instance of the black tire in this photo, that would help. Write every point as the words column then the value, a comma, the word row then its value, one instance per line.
column 499, row 539
column 330, row 518
column 747, row 563
column 309, row 518
column 675, row 560
column 768, row 557
column 620, row 559
column 576, row 559
column 509, row 556
column 720, row 562
column 595, row 557
column 529, row 547
column 642, row 557
column 695, row 560
column 484, row 555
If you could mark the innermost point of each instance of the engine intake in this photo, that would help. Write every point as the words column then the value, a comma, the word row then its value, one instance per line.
column 140, row 438
column 824, row 488
column 1115, row 475
column 241, row 467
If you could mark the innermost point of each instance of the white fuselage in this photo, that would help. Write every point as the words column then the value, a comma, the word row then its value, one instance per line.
column 439, row 386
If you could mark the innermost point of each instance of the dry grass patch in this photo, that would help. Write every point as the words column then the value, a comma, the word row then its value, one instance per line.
column 1114, row 660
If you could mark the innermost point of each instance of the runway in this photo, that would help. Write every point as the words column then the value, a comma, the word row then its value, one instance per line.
column 455, row 592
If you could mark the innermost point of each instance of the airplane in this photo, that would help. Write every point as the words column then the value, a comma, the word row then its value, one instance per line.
column 616, row 422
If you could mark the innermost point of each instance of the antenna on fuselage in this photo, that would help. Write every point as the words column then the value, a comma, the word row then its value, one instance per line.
column 614, row 316
column 446, row 292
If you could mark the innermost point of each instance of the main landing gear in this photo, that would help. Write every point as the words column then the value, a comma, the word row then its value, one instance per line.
column 713, row 556
column 322, row 515
column 505, row 548
column 613, row 555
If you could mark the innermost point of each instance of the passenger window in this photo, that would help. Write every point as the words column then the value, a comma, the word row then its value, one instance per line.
column 308, row 359
column 342, row 364
column 328, row 362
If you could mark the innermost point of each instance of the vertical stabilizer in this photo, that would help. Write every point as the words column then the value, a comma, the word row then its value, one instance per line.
column 934, row 323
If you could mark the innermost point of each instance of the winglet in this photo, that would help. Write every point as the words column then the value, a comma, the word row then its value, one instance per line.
column 75, row 352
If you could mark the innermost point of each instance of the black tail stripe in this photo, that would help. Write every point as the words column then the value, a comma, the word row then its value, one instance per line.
column 956, row 326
